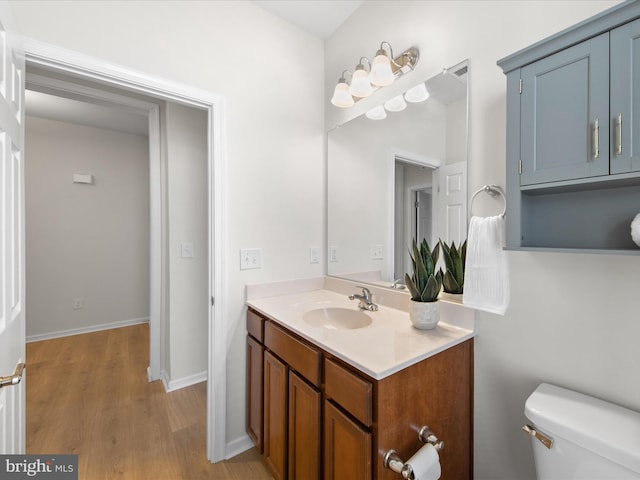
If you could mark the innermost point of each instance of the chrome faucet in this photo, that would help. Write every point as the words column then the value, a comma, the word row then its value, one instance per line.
column 366, row 302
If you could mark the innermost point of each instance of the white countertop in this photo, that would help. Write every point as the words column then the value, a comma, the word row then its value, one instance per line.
column 386, row 346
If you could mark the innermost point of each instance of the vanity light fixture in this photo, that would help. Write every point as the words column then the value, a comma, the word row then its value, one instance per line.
column 382, row 72
column 341, row 96
column 416, row 94
column 360, row 86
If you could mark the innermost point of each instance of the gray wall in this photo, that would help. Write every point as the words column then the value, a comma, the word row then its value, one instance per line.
column 85, row 241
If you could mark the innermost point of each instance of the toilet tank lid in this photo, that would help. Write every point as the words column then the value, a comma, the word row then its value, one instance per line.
column 609, row 430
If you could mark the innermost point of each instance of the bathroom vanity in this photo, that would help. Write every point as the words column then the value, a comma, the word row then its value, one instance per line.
column 326, row 401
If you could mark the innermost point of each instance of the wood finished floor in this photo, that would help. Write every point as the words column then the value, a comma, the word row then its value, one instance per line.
column 89, row 395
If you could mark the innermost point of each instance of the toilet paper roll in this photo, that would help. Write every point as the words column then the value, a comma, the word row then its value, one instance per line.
column 425, row 463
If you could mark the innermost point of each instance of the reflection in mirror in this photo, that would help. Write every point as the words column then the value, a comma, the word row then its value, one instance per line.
column 398, row 178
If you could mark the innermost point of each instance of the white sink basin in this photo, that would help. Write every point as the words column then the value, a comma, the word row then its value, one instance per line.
column 336, row 318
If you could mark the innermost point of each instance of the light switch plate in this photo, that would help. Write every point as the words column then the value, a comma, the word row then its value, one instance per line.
column 250, row 258
column 333, row 254
column 314, row 255
column 376, row 252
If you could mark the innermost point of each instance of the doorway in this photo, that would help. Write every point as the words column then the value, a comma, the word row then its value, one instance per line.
column 422, row 218
column 56, row 63
column 87, row 215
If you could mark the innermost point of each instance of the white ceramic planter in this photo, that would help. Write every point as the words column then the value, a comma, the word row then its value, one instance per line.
column 424, row 315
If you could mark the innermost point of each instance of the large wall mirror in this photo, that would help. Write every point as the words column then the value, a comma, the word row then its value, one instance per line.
column 398, row 178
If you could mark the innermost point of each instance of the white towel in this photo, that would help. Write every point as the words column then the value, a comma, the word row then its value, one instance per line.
column 486, row 278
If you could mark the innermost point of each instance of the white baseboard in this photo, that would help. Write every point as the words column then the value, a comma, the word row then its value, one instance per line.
column 171, row 385
column 237, row 446
column 88, row 329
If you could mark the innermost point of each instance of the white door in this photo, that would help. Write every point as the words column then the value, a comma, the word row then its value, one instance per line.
column 12, row 330
column 450, row 202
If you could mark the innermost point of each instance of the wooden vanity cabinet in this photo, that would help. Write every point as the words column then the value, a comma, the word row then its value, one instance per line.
column 276, row 380
column 292, row 405
column 347, row 446
column 324, row 419
column 436, row 392
column 305, row 403
column 348, row 417
column 255, row 373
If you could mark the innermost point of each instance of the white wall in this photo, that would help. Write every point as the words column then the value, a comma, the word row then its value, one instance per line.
column 85, row 241
column 573, row 318
column 271, row 75
column 186, row 167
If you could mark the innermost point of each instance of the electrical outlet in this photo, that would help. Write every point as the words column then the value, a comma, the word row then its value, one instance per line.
column 333, row 254
column 314, row 255
column 376, row 252
column 250, row 258
column 78, row 303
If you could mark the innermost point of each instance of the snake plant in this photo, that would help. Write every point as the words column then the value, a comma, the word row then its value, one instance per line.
column 425, row 283
column 454, row 259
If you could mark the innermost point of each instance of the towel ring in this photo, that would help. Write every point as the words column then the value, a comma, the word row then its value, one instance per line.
column 493, row 190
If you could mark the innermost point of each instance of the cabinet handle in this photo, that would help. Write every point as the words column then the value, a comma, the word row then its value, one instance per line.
column 596, row 139
column 619, row 135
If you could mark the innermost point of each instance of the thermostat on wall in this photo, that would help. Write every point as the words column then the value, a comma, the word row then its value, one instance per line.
column 83, row 178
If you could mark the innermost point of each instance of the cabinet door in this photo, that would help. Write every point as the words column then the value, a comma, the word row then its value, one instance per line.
column 275, row 415
column 347, row 447
column 304, row 430
column 254, row 391
column 565, row 114
column 625, row 98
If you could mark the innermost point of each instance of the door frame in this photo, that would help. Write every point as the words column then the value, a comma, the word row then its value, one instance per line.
column 81, row 66
column 413, row 158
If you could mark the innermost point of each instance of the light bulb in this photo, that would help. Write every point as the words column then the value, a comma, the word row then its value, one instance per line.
column 341, row 96
column 360, row 86
column 381, row 74
column 395, row 104
column 376, row 113
column 416, row 94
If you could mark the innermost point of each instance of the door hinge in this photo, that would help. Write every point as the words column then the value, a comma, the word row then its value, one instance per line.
column 212, row 301
column 519, row 167
column 520, row 86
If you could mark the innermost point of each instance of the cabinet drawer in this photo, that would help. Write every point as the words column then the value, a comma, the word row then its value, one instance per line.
column 353, row 393
column 298, row 355
column 255, row 325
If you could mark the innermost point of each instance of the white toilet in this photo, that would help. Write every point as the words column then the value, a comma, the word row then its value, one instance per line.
column 589, row 439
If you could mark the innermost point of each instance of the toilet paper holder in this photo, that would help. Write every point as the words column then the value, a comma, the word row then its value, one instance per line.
column 393, row 462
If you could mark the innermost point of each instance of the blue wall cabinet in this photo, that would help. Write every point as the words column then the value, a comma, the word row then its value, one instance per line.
column 573, row 137
column 564, row 117
column 625, row 98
